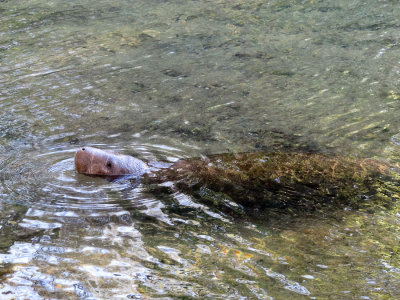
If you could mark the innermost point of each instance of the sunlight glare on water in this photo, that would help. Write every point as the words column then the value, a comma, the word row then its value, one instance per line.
column 166, row 80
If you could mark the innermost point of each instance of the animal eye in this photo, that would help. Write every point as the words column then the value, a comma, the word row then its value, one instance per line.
column 109, row 165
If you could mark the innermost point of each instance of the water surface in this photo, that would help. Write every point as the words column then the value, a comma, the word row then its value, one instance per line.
column 164, row 80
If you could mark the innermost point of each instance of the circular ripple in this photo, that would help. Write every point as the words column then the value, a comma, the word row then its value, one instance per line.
column 46, row 181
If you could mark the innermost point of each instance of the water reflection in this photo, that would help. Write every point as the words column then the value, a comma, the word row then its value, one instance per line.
column 118, row 236
column 163, row 80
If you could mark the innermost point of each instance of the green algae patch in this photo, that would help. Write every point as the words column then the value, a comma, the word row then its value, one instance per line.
column 286, row 180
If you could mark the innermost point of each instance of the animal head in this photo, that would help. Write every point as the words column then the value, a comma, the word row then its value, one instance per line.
column 93, row 161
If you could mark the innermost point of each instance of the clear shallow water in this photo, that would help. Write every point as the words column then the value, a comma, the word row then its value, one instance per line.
column 164, row 80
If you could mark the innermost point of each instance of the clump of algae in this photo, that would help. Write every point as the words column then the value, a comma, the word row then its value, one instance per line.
column 288, row 180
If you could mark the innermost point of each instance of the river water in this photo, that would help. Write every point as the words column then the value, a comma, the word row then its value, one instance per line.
column 164, row 80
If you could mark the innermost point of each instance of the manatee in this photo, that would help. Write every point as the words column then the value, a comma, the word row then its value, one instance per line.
column 97, row 162
column 279, row 180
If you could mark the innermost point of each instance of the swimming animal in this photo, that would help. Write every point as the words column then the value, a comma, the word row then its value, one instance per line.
column 93, row 161
column 281, row 180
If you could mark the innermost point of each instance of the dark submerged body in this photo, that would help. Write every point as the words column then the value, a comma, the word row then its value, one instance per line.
column 275, row 180
column 282, row 180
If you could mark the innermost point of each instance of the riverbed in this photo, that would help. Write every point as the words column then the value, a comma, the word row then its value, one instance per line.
column 166, row 80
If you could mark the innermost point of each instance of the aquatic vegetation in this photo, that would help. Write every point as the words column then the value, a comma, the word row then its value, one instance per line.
column 287, row 180
column 170, row 80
